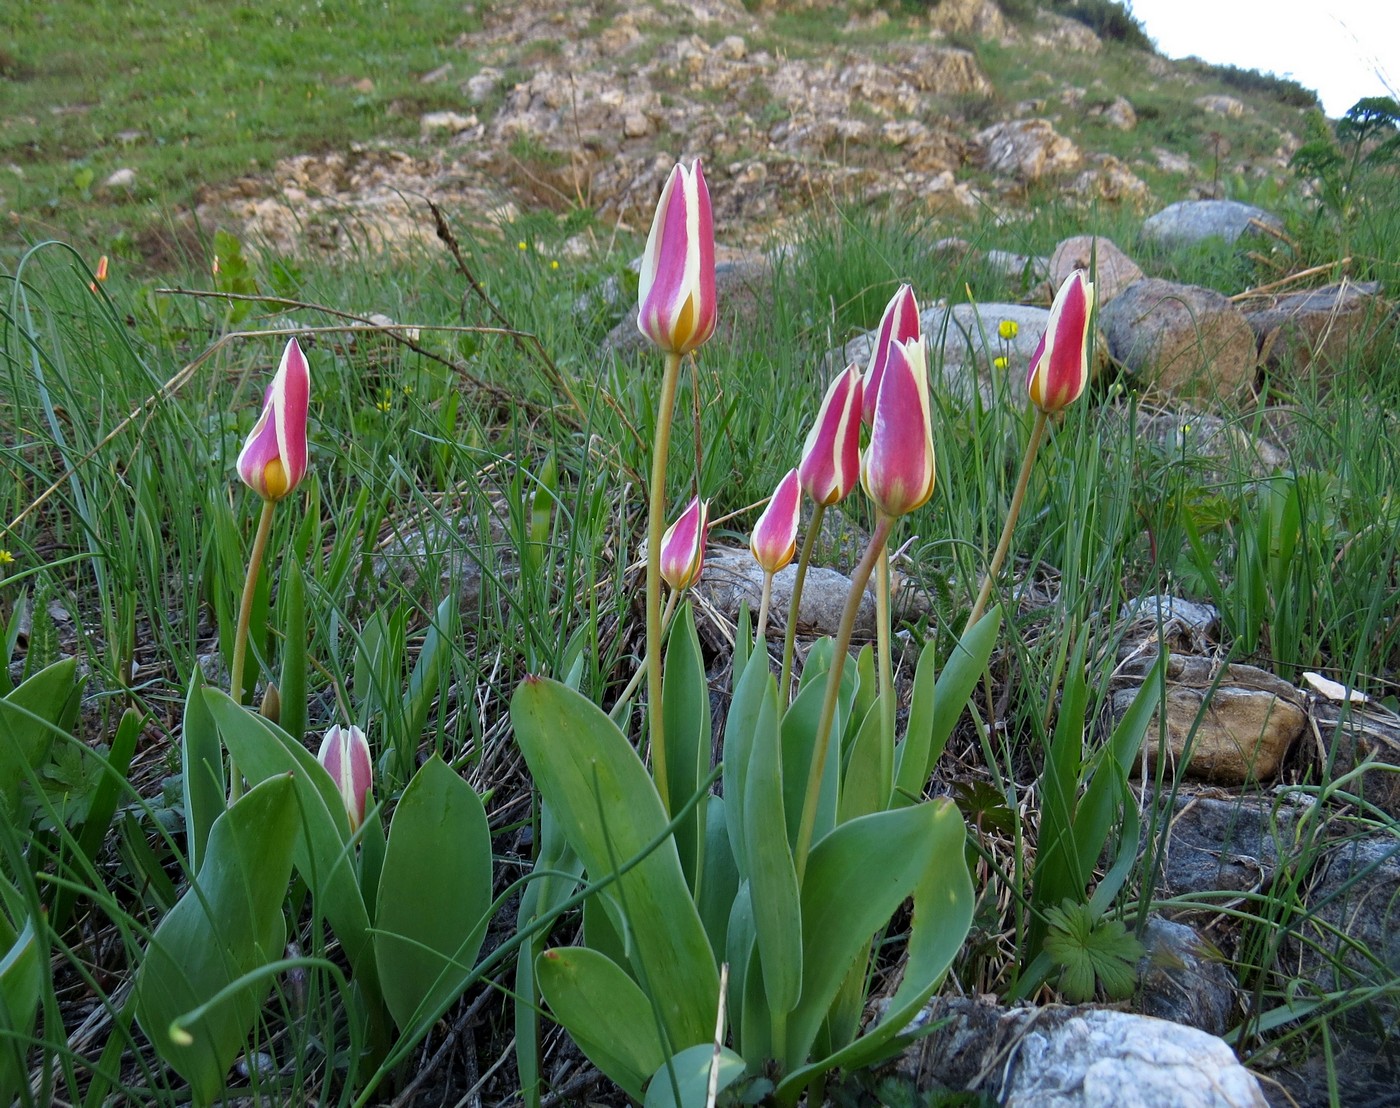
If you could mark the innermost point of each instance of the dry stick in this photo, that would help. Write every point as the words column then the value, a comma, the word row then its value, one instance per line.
column 656, row 526
column 1292, row 278
column 1017, row 498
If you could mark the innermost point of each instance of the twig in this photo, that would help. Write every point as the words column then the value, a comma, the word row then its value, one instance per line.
column 465, row 1020
column 1301, row 275
column 581, row 1081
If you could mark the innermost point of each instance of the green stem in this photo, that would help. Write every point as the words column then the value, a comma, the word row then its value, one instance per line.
column 763, row 609
column 859, row 579
column 882, row 641
column 240, row 635
column 790, row 635
column 1017, row 498
column 656, row 527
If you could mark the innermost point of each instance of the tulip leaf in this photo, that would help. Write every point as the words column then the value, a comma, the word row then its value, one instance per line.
column 321, row 849
column 845, row 899
column 427, row 673
column 739, row 943
column 227, row 926
column 691, row 1071
column 935, row 711
column 291, row 599
column 21, row 981
column 202, row 760
column 604, row 798
column 750, row 696
column 605, row 1011
column 30, row 716
column 686, row 724
column 772, row 876
column 865, row 788
column 721, row 877
column 434, row 895
column 943, row 903
column 799, row 732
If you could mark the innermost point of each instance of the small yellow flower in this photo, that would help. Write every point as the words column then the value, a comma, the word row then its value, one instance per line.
column 554, row 263
column 6, row 558
column 407, row 390
column 522, row 245
column 388, row 401
column 1000, row 362
column 1008, row 329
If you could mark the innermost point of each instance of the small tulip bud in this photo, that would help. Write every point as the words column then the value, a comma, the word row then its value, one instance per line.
column 774, row 539
column 900, row 323
column 897, row 470
column 830, row 463
column 676, row 286
column 273, row 460
column 344, row 754
column 1059, row 368
column 683, row 546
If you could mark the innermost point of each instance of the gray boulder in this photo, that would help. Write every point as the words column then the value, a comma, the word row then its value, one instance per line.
column 1113, row 270
column 1184, row 979
column 1321, row 326
column 1192, row 221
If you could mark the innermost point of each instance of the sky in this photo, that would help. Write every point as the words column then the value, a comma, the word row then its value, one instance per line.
column 1344, row 49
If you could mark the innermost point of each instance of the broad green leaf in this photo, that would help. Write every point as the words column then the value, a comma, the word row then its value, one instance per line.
column 772, row 876
column 29, row 718
column 691, row 1071
column 720, row 880
column 202, row 762
column 601, row 793
column 846, row 898
column 428, row 671
column 434, row 895
column 321, row 849
column 739, row 947
column 605, row 1011
column 932, row 716
column 799, row 736
column 865, row 787
column 21, row 980
column 228, row 925
column 750, row 694
column 686, row 723
column 943, row 904
column 291, row 599
column 867, row 691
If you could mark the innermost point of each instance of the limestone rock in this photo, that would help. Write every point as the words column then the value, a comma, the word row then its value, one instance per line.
column 1117, row 113
column 1114, row 270
column 1216, row 104
column 1184, row 339
column 1299, row 329
column 447, row 122
column 1061, row 34
column 1185, row 626
column 1109, row 178
column 976, row 17
column 483, row 85
column 1239, row 723
column 1029, row 149
column 1192, row 221
column 1221, row 842
column 124, row 178
column 732, row 577
column 1217, row 449
column 1182, row 979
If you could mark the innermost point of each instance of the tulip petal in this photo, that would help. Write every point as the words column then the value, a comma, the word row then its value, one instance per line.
column 774, row 539
column 274, row 457
column 683, row 546
column 676, row 284
column 898, row 469
column 830, row 463
column 1059, row 368
column 900, row 323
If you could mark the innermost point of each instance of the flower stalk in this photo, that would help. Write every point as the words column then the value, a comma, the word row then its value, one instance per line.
column 656, row 529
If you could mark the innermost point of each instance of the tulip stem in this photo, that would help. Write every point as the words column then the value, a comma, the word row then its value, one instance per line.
column 882, row 641
column 1017, row 499
column 640, row 672
column 763, row 607
column 240, row 635
column 790, row 634
column 656, row 527
column 859, row 579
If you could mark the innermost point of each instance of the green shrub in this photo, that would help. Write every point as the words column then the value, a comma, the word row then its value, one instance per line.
column 1283, row 89
column 1109, row 20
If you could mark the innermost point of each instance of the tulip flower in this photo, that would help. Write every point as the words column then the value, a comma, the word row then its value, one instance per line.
column 830, row 463
column 900, row 323
column 99, row 274
column 273, row 460
column 344, row 754
column 676, row 286
column 897, row 470
column 774, row 539
column 683, row 546
column 1059, row 368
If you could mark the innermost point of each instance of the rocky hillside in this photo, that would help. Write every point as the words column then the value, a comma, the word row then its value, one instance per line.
column 951, row 107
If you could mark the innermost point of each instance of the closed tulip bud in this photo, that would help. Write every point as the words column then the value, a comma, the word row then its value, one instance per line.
column 676, row 286
column 344, row 754
column 774, row 539
column 897, row 470
column 900, row 323
column 273, row 460
column 683, row 546
column 1059, row 368
column 830, row 464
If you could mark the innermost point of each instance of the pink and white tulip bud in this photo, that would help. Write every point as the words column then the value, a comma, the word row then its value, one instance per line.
column 830, row 465
column 900, row 323
column 683, row 546
column 897, row 470
column 774, row 539
column 344, row 754
column 1059, row 367
column 676, row 286
column 273, row 460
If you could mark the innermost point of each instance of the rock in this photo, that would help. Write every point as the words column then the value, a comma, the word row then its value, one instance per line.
column 1114, row 270
column 733, row 48
column 1183, row 979
column 1299, row 329
column 981, row 18
column 1216, row 449
column 483, row 84
column 363, row 85
column 1361, row 736
column 636, row 125
column 1192, row 221
column 124, row 178
column 1028, row 269
column 1183, row 339
column 1073, row 1058
column 1185, row 626
column 1029, row 149
column 732, row 577
column 1110, row 179
column 450, row 122
column 441, row 559
column 432, row 77
column 1117, row 113
column 1061, row 34
column 1239, row 723
column 1217, row 843
column 1168, row 161
column 1227, row 106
